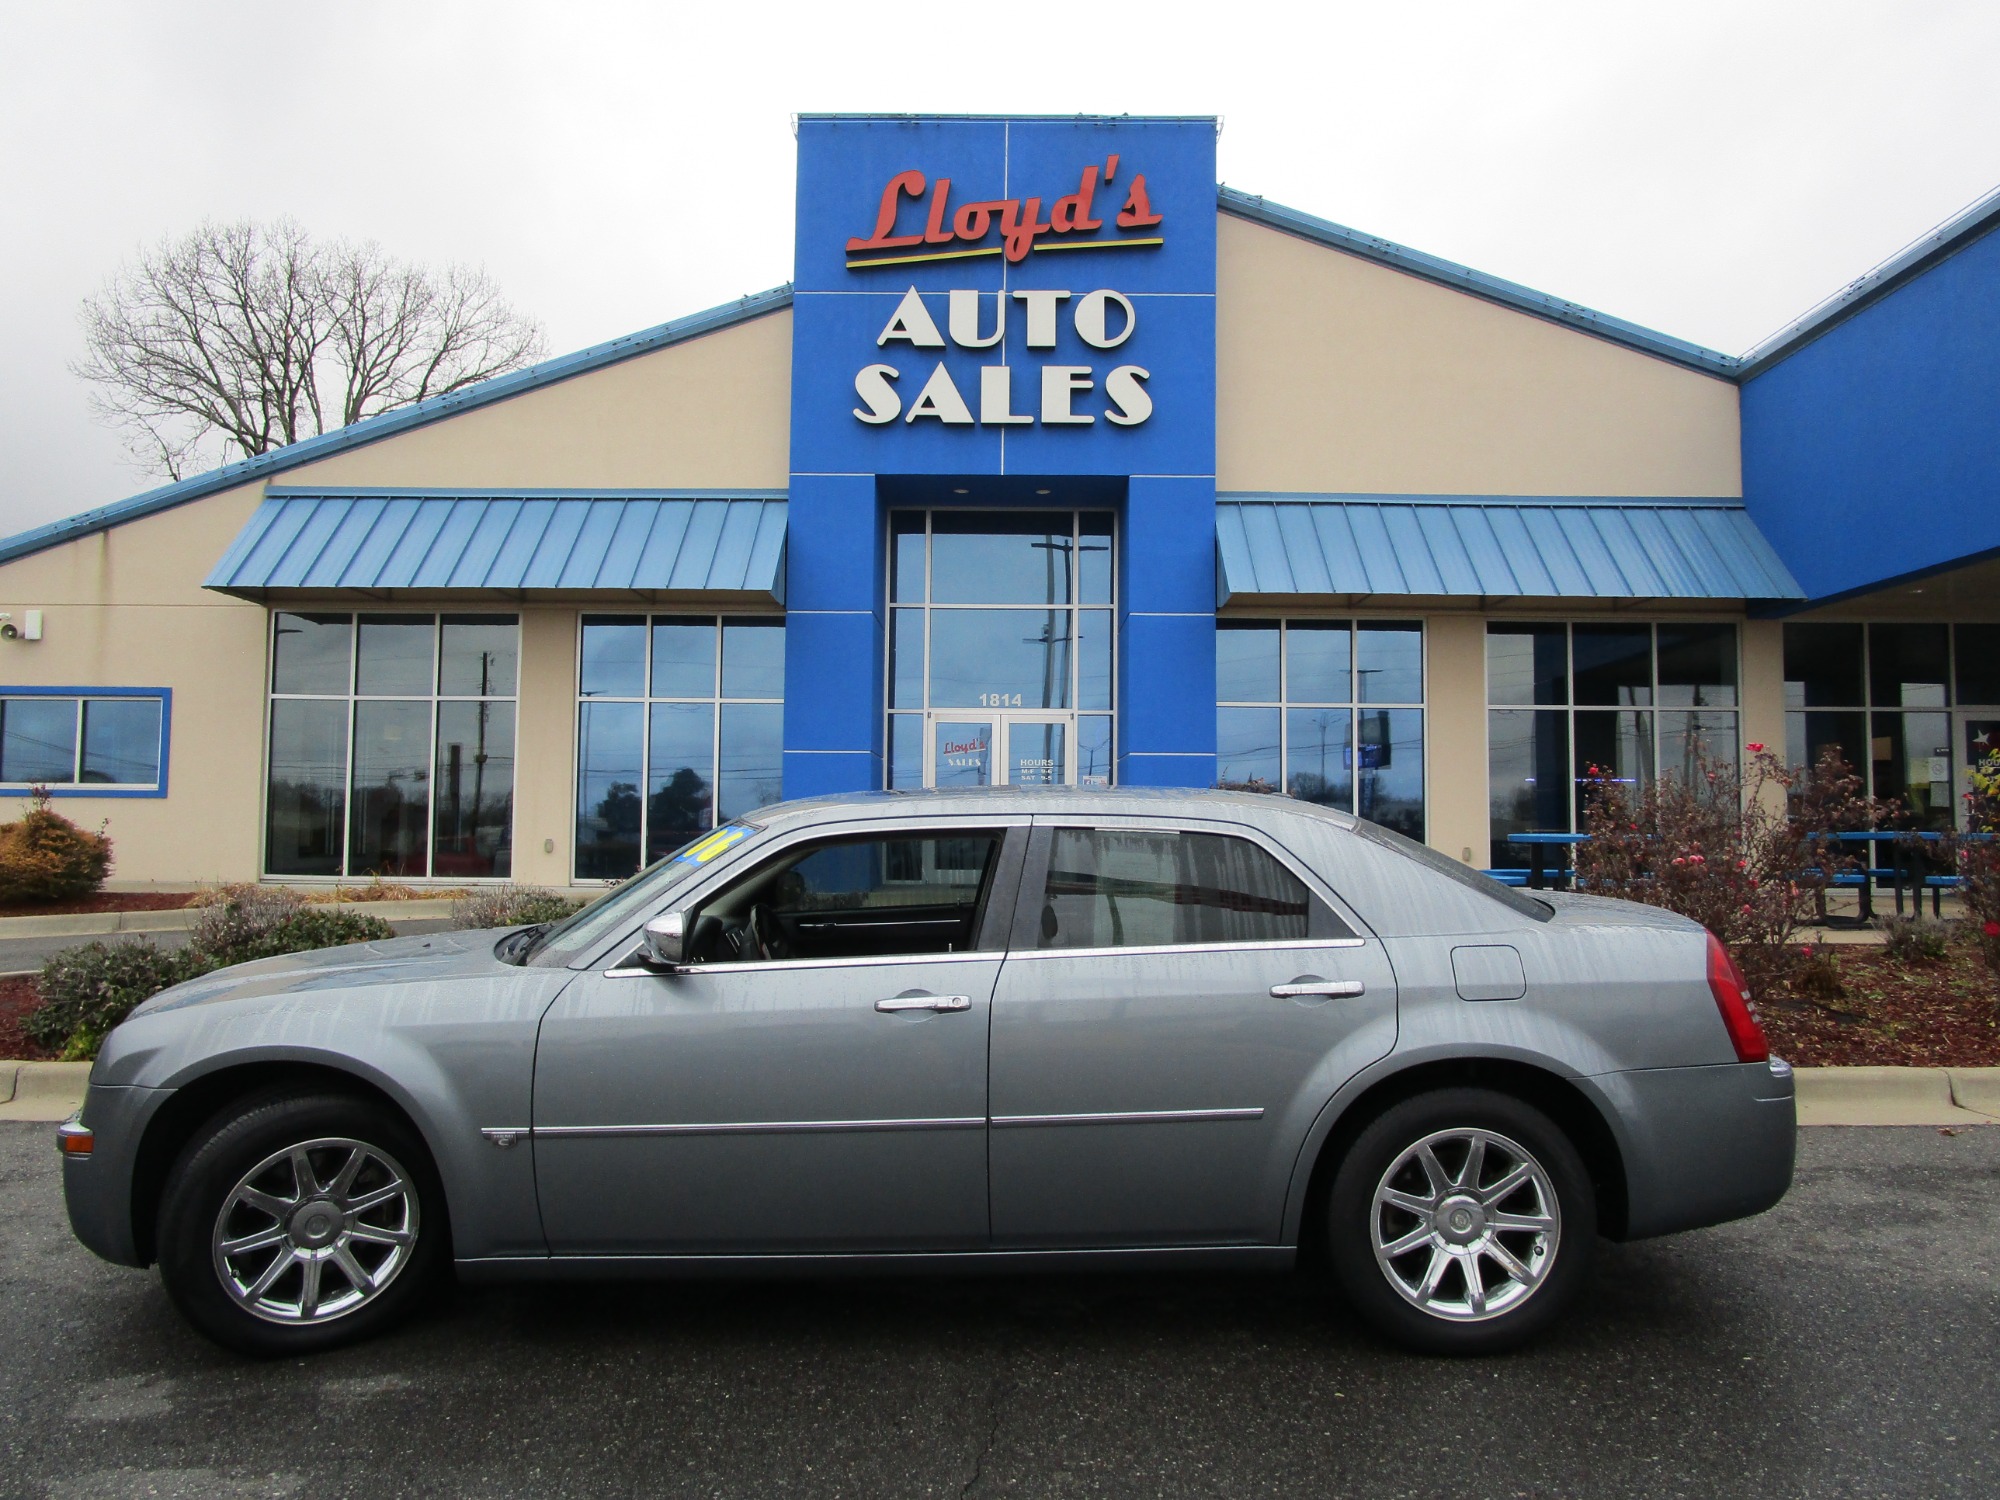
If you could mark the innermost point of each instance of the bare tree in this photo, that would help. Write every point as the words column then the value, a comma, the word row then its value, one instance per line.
column 240, row 338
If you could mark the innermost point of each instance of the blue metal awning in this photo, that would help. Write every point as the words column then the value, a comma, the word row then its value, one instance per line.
column 1494, row 547
column 378, row 542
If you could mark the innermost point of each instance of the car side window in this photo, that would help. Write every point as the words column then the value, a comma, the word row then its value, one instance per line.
column 1124, row 888
column 867, row 896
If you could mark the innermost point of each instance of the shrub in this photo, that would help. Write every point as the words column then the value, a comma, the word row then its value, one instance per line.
column 300, row 931
column 511, row 906
column 1915, row 940
column 236, row 918
column 1817, row 976
column 1742, row 854
column 45, row 857
column 1978, row 860
column 88, row 990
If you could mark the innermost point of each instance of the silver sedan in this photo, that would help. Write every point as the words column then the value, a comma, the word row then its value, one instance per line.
column 975, row 1031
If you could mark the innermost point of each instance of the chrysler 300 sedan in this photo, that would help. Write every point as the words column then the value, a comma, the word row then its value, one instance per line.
column 988, row 1031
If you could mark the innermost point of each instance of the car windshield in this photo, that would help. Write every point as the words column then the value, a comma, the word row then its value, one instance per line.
column 571, row 938
column 1451, row 869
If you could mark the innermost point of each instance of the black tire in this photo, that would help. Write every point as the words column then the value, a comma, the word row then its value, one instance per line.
column 253, row 1136
column 1508, row 1309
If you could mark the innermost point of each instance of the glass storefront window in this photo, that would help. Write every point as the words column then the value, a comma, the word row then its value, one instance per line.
column 680, row 726
column 392, row 745
column 1631, row 701
column 1904, row 703
column 1329, row 710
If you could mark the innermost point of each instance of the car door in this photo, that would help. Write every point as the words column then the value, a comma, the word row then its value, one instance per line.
column 813, row 1079
column 1178, row 1006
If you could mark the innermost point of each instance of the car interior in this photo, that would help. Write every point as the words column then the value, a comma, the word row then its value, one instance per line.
column 872, row 896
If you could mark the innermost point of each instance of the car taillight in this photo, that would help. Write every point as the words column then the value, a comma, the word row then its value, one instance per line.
column 1732, row 998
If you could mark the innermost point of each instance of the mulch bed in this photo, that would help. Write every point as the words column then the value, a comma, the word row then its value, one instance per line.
column 101, row 901
column 1894, row 1014
column 18, row 996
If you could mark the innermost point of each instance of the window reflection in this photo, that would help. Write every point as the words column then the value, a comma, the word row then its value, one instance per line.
column 38, row 741
column 475, row 790
column 1006, row 658
column 310, row 653
column 393, row 654
column 121, row 741
column 306, row 807
column 391, row 797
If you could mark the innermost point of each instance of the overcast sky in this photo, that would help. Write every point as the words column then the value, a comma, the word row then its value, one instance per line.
column 1707, row 169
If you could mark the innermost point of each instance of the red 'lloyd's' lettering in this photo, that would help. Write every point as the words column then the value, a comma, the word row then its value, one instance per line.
column 1020, row 221
column 1138, row 211
column 885, row 217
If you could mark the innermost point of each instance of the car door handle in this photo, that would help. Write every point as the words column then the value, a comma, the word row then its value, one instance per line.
column 925, row 1002
column 1307, row 985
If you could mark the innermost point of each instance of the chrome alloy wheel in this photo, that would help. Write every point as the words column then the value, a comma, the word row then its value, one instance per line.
column 315, row 1231
column 1465, row 1225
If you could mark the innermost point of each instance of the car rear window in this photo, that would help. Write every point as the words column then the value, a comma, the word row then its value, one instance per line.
column 1451, row 869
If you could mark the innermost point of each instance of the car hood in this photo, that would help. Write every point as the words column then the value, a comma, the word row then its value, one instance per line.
column 405, row 960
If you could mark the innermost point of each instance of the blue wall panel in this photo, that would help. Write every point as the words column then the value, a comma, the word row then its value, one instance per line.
column 1874, row 451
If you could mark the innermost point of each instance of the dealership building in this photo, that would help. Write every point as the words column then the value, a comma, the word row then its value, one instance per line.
column 1055, row 463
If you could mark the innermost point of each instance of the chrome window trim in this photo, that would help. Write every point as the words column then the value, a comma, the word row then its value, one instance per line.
column 784, row 965
column 1129, row 1117
column 758, row 1127
column 1152, row 949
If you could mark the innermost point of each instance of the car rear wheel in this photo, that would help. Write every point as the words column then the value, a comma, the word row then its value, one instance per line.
column 1461, row 1222
column 291, row 1225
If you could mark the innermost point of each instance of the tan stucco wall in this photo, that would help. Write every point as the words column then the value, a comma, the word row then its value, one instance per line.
column 125, row 608
column 712, row 411
column 1335, row 374
column 1456, row 823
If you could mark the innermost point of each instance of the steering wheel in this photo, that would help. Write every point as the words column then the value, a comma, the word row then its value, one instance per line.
column 767, row 938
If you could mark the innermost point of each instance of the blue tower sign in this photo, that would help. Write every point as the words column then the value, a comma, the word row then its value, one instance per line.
column 993, row 316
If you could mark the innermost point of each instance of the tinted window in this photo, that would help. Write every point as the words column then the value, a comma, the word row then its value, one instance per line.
column 1119, row 889
column 873, row 897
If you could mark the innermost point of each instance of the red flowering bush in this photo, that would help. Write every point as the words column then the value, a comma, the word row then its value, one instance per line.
column 1742, row 853
column 1978, row 859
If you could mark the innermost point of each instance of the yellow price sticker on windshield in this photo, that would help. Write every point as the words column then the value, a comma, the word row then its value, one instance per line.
column 713, row 845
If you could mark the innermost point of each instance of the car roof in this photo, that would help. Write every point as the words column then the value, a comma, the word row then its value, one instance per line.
column 1239, row 807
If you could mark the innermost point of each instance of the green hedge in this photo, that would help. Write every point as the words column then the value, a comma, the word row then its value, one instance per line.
column 88, row 990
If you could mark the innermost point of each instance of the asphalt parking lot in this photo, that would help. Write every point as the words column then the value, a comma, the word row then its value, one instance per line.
column 1845, row 1344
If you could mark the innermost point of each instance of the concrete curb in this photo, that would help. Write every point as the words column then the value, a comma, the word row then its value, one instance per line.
column 1827, row 1096
column 41, row 1090
column 88, row 924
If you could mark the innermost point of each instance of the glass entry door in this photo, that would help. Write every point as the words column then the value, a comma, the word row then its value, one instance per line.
column 1000, row 750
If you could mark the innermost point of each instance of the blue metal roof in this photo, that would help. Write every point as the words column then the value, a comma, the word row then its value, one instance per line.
column 375, row 541
column 309, row 450
column 1495, row 546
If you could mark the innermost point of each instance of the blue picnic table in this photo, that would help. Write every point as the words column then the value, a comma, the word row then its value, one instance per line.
column 1538, row 846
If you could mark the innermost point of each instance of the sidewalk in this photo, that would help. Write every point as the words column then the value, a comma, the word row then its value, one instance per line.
column 1827, row 1096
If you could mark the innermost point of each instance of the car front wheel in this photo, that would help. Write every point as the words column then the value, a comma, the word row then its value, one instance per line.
column 1461, row 1222
column 290, row 1225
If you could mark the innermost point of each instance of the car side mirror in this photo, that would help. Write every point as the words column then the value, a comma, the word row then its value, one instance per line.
column 666, row 939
